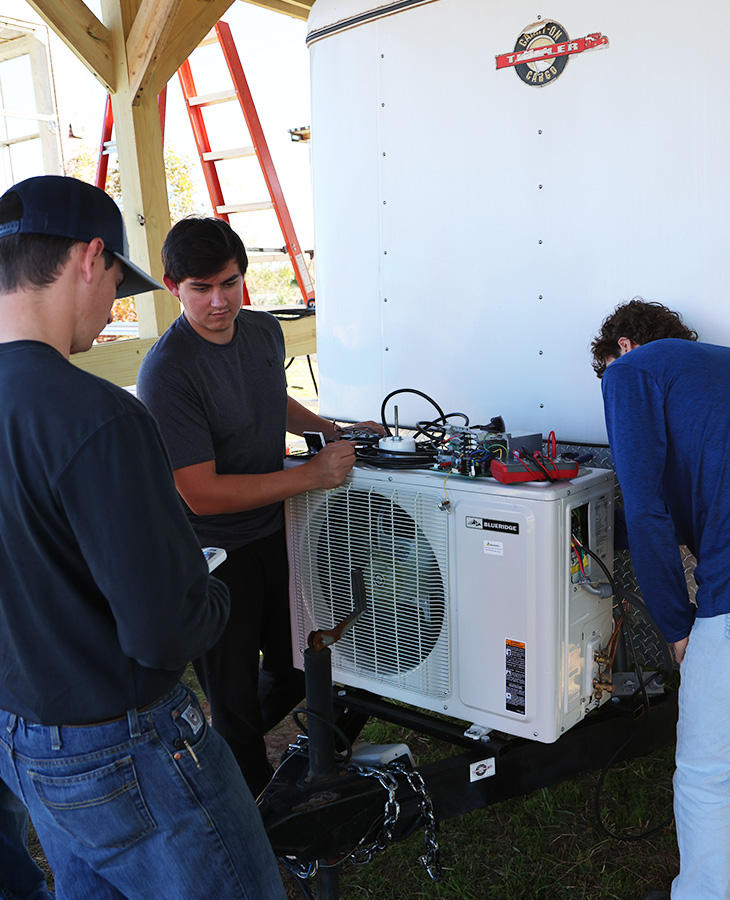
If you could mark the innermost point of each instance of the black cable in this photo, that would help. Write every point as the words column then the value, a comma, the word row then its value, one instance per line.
column 407, row 391
column 301, row 882
column 425, row 427
column 526, row 457
column 311, row 372
column 392, row 459
column 641, row 606
column 638, row 836
column 628, row 597
column 666, row 649
column 344, row 757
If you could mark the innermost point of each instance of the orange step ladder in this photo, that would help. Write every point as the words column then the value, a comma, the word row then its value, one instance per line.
column 209, row 158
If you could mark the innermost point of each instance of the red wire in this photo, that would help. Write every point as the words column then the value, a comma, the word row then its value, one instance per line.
column 552, row 445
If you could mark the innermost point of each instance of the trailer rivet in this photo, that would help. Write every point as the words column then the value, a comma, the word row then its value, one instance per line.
column 540, row 352
column 542, row 406
column 540, row 186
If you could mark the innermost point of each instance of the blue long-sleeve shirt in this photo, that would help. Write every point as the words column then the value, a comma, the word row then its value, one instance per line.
column 667, row 407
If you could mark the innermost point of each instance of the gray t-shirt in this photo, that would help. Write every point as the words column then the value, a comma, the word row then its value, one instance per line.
column 225, row 402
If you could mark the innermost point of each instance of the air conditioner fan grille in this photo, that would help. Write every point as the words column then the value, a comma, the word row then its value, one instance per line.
column 399, row 542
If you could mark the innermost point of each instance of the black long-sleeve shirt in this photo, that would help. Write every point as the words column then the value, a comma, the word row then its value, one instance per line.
column 104, row 594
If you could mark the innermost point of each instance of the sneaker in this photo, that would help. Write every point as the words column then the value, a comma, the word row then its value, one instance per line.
column 658, row 895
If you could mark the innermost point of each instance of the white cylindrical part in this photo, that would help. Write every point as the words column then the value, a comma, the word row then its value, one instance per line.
column 397, row 444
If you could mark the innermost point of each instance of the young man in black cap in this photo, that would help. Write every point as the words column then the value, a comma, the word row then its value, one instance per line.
column 104, row 594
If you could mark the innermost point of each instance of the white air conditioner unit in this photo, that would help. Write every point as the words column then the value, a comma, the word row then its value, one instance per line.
column 474, row 606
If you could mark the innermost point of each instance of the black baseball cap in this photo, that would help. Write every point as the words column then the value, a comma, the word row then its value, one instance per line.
column 67, row 207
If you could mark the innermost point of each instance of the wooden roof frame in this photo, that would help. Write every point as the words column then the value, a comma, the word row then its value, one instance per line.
column 133, row 52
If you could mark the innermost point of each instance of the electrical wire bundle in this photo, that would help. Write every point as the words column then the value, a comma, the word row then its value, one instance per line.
column 625, row 601
column 433, row 438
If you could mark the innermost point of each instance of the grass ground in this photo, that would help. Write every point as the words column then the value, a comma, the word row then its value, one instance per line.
column 545, row 845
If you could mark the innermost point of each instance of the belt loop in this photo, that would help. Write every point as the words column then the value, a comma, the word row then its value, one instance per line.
column 55, row 737
column 133, row 722
column 12, row 722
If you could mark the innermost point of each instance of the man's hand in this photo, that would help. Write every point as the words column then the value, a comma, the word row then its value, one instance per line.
column 330, row 466
column 373, row 426
column 679, row 648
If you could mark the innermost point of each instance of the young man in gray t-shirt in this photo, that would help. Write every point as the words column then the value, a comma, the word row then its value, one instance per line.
column 216, row 383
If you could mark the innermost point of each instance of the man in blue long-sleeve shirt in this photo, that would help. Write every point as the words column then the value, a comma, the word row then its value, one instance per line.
column 668, row 420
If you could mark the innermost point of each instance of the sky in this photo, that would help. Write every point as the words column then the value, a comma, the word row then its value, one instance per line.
column 276, row 63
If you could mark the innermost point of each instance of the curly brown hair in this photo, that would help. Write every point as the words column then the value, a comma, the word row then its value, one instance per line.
column 641, row 322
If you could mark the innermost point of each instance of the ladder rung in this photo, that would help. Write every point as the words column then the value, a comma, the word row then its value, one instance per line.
column 245, row 207
column 236, row 153
column 266, row 257
column 211, row 99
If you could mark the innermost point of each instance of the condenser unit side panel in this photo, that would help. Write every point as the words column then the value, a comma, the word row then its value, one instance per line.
column 507, row 614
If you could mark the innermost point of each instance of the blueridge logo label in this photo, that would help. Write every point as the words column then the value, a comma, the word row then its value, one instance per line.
column 492, row 525
column 542, row 51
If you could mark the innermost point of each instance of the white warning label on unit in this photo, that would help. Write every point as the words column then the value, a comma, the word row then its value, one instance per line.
column 494, row 548
column 515, row 652
column 600, row 507
column 485, row 768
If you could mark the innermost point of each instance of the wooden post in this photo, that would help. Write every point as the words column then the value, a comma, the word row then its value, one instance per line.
column 144, row 191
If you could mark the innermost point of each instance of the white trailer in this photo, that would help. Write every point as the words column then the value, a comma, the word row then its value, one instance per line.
column 492, row 177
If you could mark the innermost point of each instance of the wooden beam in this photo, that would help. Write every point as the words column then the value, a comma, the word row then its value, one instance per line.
column 194, row 20
column 117, row 361
column 298, row 9
column 300, row 336
column 78, row 27
column 147, row 37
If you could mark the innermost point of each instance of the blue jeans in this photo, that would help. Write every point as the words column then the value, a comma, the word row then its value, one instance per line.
column 702, row 778
column 146, row 807
column 20, row 877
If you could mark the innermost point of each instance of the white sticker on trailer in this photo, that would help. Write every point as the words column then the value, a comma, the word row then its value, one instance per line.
column 494, row 548
column 485, row 768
